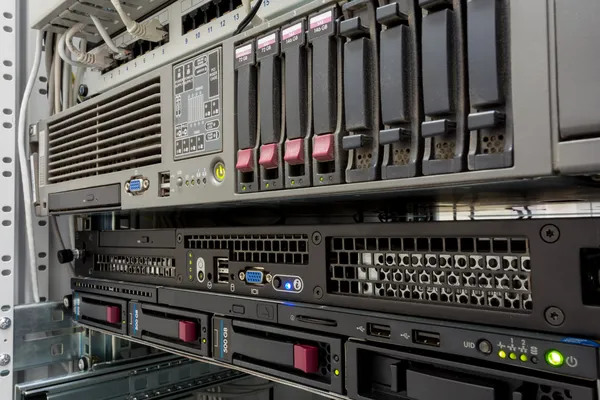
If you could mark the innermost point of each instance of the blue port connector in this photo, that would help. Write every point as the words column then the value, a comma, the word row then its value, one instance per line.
column 254, row 276
column 136, row 185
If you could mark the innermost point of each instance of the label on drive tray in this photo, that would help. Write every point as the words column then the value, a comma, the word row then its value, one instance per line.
column 321, row 24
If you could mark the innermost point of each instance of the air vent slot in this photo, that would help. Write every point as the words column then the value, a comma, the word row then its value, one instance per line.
column 490, row 273
column 132, row 265
column 119, row 132
column 114, row 289
column 272, row 249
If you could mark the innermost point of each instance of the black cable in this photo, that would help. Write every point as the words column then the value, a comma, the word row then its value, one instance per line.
column 246, row 21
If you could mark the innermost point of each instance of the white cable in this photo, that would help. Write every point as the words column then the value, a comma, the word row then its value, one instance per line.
column 99, row 59
column 67, row 58
column 25, row 176
column 57, row 72
column 247, row 6
column 150, row 30
column 129, row 23
column 78, row 75
column 51, row 89
column 67, row 79
column 107, row 39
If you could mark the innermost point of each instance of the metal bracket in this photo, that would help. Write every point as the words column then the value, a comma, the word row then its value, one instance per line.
column 44, row 335
column 8, row 107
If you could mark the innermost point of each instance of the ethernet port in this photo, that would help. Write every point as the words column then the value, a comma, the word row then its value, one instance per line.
column 188, row 22
column 222, row 6
column 210, row 11
column 222, row 270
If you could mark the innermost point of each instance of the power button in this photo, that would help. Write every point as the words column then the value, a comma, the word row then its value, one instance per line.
column 219, row 172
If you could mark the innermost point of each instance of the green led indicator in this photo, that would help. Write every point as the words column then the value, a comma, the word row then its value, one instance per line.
column 293, row 182
column 321, row 179
column 513, row 356
column 523, row 358
column 502, row 354
column 555, row 358
column 243, row 187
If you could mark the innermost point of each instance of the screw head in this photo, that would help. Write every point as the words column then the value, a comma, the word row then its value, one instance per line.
column 318, row 292
column 83, row 364
column 317, row 238
column 179, row 238
column 269, row 278
column 83, row 90
column 4, row 359
column 67, row 300
column 550, row 233
column 554, row 316
column 5, row 323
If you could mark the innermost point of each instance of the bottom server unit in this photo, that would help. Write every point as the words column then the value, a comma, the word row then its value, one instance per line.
column 345, row 353
column 539, row 275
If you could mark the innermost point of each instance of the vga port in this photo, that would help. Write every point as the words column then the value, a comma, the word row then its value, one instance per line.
column 254, row 276
column 136, row 185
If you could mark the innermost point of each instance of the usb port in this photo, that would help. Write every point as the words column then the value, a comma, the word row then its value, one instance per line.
column 222, row 267
column 382, row 331
column 426, row 338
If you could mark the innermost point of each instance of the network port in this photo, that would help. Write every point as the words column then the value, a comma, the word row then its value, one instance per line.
column 137, row 49
column 222, row 270
column 207, row 13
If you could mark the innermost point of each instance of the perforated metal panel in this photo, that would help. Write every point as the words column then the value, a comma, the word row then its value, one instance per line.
column 490, row 273
column 154, row 266
column 120, row 132
column 281, row 249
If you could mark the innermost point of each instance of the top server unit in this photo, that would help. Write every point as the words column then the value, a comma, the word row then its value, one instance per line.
column 331, row 99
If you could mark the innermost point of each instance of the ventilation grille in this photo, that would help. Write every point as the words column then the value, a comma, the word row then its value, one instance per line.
column 553, row 393
column 152, row 266
column 113, row 289
column 120, row 132
column 491, row 273
column 280, row 249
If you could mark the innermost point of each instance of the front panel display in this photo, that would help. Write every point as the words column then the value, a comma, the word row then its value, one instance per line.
column 197, row 101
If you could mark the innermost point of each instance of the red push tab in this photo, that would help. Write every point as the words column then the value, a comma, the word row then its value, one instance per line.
column 245, row 160
column 113, row 314
column 294, row 152
column 268, row 156
column 323, row 148
column 187, row 331
column 306, row 358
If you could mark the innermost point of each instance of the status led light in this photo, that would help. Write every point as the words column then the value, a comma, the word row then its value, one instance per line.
column 523, row 358
column 502, row 354
column 513, row 356
column 555, row 358
column 288, row 286
column 336, row 372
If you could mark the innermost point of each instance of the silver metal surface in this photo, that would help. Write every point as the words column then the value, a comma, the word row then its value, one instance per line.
column 8, row 193
column 44, row 335
column 164, row 374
